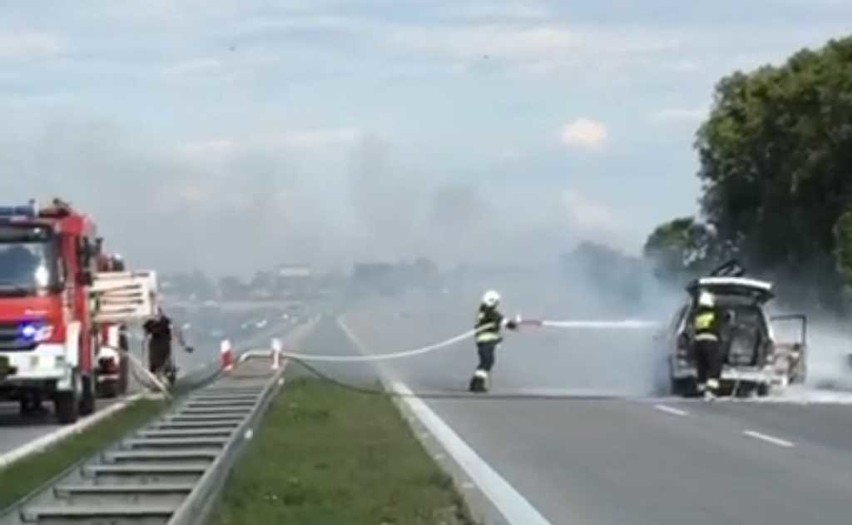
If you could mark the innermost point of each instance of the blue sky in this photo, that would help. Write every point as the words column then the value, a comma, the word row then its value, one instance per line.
column 229, row 134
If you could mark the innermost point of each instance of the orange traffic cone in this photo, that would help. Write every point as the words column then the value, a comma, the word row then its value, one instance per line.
column 226, row 356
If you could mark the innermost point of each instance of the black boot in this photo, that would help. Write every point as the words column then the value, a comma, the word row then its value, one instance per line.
column 478, row 383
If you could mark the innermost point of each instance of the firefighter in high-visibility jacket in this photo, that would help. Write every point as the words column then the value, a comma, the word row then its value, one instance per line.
column 489, row 324
column 707, row 346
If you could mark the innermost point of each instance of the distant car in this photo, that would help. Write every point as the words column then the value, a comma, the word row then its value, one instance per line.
column 754, row 360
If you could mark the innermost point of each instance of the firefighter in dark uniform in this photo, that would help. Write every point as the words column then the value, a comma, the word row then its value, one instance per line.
column 707, row 347
column 159, row 334
column 489, row 324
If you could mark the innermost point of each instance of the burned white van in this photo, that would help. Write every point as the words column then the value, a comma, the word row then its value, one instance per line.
column 754, row 360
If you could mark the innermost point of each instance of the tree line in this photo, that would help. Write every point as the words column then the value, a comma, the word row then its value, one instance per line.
column 776, row 170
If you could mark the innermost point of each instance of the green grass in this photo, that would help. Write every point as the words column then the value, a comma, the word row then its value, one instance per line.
column 22, row 477
column 327, row 456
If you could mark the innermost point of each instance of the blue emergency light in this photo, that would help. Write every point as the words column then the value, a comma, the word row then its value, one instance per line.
column 27, row 210
column 34, row 332
column 28, row 331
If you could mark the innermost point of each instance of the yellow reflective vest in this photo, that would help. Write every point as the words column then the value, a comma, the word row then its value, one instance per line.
column 706, row 323
column 488, row 325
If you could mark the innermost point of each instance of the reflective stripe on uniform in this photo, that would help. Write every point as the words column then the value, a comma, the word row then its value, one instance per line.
column 706, row 337
column 487, row 337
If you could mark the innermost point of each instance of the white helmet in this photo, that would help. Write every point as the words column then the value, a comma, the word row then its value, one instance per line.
column 491, row 299
column 706, row 299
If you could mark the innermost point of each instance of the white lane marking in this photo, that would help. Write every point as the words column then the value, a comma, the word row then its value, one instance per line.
column 769, row 439
column 671, row 410
column 514, row 507
column 511, row 504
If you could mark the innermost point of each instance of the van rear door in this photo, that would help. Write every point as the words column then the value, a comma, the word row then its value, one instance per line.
column 790, row 338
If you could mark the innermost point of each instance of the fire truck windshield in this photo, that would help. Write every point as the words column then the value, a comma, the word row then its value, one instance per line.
column 28, row 260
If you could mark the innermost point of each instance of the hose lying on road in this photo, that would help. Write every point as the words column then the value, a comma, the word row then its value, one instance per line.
column 490, row 396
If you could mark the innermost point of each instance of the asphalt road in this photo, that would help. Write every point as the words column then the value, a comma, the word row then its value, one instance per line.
column 16, row 430
column 633, row 458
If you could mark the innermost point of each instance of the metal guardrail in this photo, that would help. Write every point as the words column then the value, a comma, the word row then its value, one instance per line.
column 168, row 471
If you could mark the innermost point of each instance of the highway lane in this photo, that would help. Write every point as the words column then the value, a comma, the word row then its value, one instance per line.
column 16, row 430
column 634, row 459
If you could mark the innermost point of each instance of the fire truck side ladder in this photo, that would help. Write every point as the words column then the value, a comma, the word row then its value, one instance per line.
column 169, row 471
column 122, row 297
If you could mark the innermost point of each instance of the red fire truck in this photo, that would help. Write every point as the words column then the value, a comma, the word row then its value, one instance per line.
column 50, row 295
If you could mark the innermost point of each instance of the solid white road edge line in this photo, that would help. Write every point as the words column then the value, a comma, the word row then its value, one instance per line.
column 511, row 504
column 671, row 410
column 48, row 440
column 508, row 501
column 768, row 439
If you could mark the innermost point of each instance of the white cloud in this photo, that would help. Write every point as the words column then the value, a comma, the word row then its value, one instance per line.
column 209, row 150
column 505, row 42
column 584, row 133
column 194, row 66
column 526, row 43
column 22, row 46
column 216, row 151
column 310, row 139
column 684, row 65
column 680, row 115
column 588, row 215
column 490, row 9
column 594, row 220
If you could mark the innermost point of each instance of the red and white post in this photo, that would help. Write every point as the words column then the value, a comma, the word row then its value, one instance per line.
column 277, row 348
column 226, row 355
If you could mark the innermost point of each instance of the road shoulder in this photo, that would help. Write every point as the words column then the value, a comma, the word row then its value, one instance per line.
column 491, row 498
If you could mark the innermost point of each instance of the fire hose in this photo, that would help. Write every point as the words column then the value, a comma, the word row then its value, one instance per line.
column 628, row 324
column 307, row 360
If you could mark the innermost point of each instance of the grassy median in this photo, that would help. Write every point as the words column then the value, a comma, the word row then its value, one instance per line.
column 325, row 455
column 22, row 477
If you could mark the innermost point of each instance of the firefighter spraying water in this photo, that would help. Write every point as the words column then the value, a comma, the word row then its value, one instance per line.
column 489, row 324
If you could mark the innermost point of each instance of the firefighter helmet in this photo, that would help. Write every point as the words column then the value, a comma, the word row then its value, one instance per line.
column 491, row 299
column 706, row 300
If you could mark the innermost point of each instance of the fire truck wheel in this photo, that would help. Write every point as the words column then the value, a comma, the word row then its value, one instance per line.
column 121, row 387
column 66, row 406
column 108, row 390
column 87, row 399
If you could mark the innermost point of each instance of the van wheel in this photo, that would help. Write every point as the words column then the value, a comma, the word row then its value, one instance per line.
column 683, row 387
column 762, row 390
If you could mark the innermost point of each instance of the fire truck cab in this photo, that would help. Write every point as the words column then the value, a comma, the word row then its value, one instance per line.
column 51, row 311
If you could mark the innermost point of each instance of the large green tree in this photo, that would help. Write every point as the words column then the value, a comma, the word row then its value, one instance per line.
column 776, row 163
